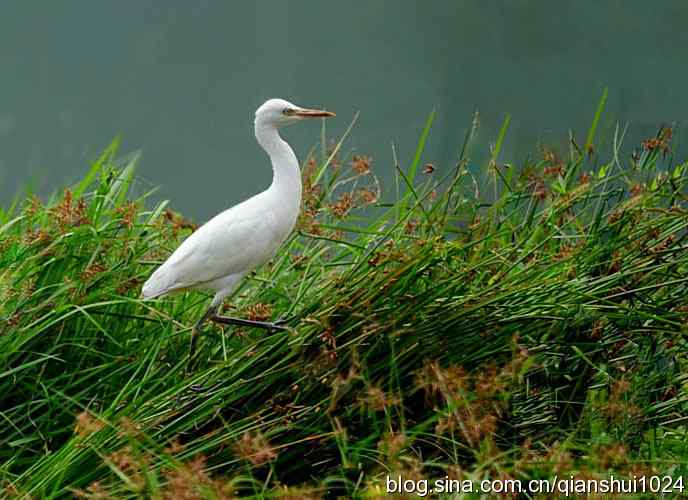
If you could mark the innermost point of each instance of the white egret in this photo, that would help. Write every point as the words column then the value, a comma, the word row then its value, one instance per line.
column 222, row 251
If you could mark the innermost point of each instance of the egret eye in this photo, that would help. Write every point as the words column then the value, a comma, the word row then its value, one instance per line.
column 287, row 111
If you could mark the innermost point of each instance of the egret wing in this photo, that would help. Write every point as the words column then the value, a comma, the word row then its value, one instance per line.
column 217, row 251
column 232, row 242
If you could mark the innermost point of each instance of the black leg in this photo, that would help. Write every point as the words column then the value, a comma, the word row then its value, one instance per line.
column 196, row 330
column 211, row 314
column 267, row 325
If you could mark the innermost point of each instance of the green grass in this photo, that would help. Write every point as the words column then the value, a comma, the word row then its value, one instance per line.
column 541, row 331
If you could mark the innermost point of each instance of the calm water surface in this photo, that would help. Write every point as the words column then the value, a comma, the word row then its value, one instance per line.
column 180, row 80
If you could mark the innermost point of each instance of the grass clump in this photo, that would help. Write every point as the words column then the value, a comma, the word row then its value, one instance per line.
column 537, row 329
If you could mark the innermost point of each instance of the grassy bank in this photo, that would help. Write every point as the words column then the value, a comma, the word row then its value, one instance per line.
column 533, row 329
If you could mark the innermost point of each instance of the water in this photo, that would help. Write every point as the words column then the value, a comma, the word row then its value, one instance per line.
column 180, row 81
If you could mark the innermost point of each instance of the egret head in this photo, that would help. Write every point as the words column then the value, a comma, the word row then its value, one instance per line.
column 278, row 113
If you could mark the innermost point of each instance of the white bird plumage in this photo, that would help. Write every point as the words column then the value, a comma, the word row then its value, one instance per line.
column 223, row 250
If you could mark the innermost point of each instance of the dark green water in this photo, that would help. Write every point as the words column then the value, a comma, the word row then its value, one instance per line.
column 180, row 80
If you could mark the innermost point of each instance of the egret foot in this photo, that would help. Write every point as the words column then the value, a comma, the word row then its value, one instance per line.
column 285, row 320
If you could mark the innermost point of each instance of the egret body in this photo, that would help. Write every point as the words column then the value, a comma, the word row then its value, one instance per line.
column 222, row 251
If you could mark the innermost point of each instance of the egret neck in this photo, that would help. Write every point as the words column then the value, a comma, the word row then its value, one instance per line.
column 286, row 176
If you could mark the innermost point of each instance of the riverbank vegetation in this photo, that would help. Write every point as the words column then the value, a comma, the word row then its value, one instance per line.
column 527, row 324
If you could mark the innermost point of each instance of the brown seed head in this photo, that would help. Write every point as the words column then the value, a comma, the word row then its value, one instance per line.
column 255, row 448
column 361, row 164
column 428, row 168
column 87, row 424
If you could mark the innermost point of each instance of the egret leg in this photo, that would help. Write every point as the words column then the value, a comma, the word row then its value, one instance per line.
column 266, row 325
column 211, row 314
column 196, row 330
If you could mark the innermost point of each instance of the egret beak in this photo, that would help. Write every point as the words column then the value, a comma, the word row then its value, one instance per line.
column 313, row 113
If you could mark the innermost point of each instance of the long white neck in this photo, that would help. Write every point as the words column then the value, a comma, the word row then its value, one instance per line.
column 286, row 176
